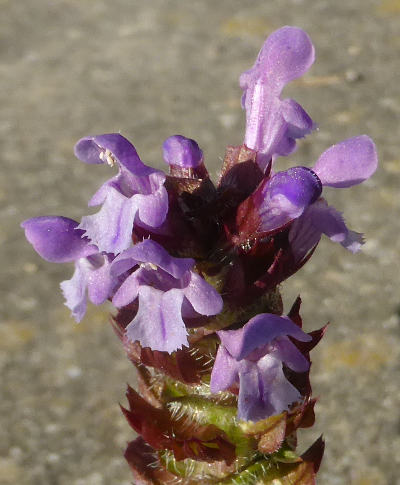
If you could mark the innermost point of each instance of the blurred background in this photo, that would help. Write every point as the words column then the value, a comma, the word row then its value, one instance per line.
column 70, row 68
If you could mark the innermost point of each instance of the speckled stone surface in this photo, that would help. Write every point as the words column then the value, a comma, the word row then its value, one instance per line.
column 69, row 68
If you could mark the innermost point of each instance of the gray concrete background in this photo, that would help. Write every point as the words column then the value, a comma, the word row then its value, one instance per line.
column 69, row 68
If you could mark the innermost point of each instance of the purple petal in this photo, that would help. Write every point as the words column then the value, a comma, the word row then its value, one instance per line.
column 287, row 54
column 74, row 290
column 285, row 351
column 259, row 331
column 277, row 390
column 303, row 235
column 285, row 196
column 181, row 151
column 111, row 227
column 318, row 219
column 265, row 125
column 109, row 148
column 100, row 283
column 203, row 297
column 158, row 323
column 225, row 371
column 251, row 405
column 129, row 289
column 149, row 251
column 153, row 207
column 57, row 239
column 348, row 163
column 299, row 123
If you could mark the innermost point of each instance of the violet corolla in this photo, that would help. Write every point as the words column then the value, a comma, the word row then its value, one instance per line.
column 168, row 291
column 292, row 197
column 58, row 240
column 252, row 358
column 348, row 163
column 272, row 124
column 135, row 196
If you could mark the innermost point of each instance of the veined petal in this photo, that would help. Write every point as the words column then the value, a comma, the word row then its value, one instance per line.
column 259, row 331
column 158, row 323
column 57, row 239
column 277, row 390
column 252, row 405
column 203, row 297
column 111, row 228
column 348, row 163
column 225, row 371
column 74, row 290
column 265, row 125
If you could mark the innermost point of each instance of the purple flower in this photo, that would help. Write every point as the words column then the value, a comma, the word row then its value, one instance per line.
column 58, row 240
column 272, row 124
column 343, row 165
column 284, row 197
column 168, row 291
column 252, row 357
column 292, row 196
column 136, row 196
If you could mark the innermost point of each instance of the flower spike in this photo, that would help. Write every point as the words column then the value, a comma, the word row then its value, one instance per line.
column 195, row 272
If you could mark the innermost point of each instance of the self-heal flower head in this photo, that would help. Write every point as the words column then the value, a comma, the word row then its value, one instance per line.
column 136, row 196
column 58, row 240
column 272, row 124
column 348, row 163
column 252, row 358
column 168, row 291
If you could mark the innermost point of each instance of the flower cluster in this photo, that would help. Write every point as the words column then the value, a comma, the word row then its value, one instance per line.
column 193, row 266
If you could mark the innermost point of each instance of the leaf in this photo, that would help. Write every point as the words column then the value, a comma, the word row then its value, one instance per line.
column 143, row 462
column 163, row 429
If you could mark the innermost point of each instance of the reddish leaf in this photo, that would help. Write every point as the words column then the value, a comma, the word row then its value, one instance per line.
column 143, row 462
column 184, row 437
column 315, row 453
column 294, row 313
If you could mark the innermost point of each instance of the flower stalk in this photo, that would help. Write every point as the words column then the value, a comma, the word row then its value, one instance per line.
column 194, row 270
